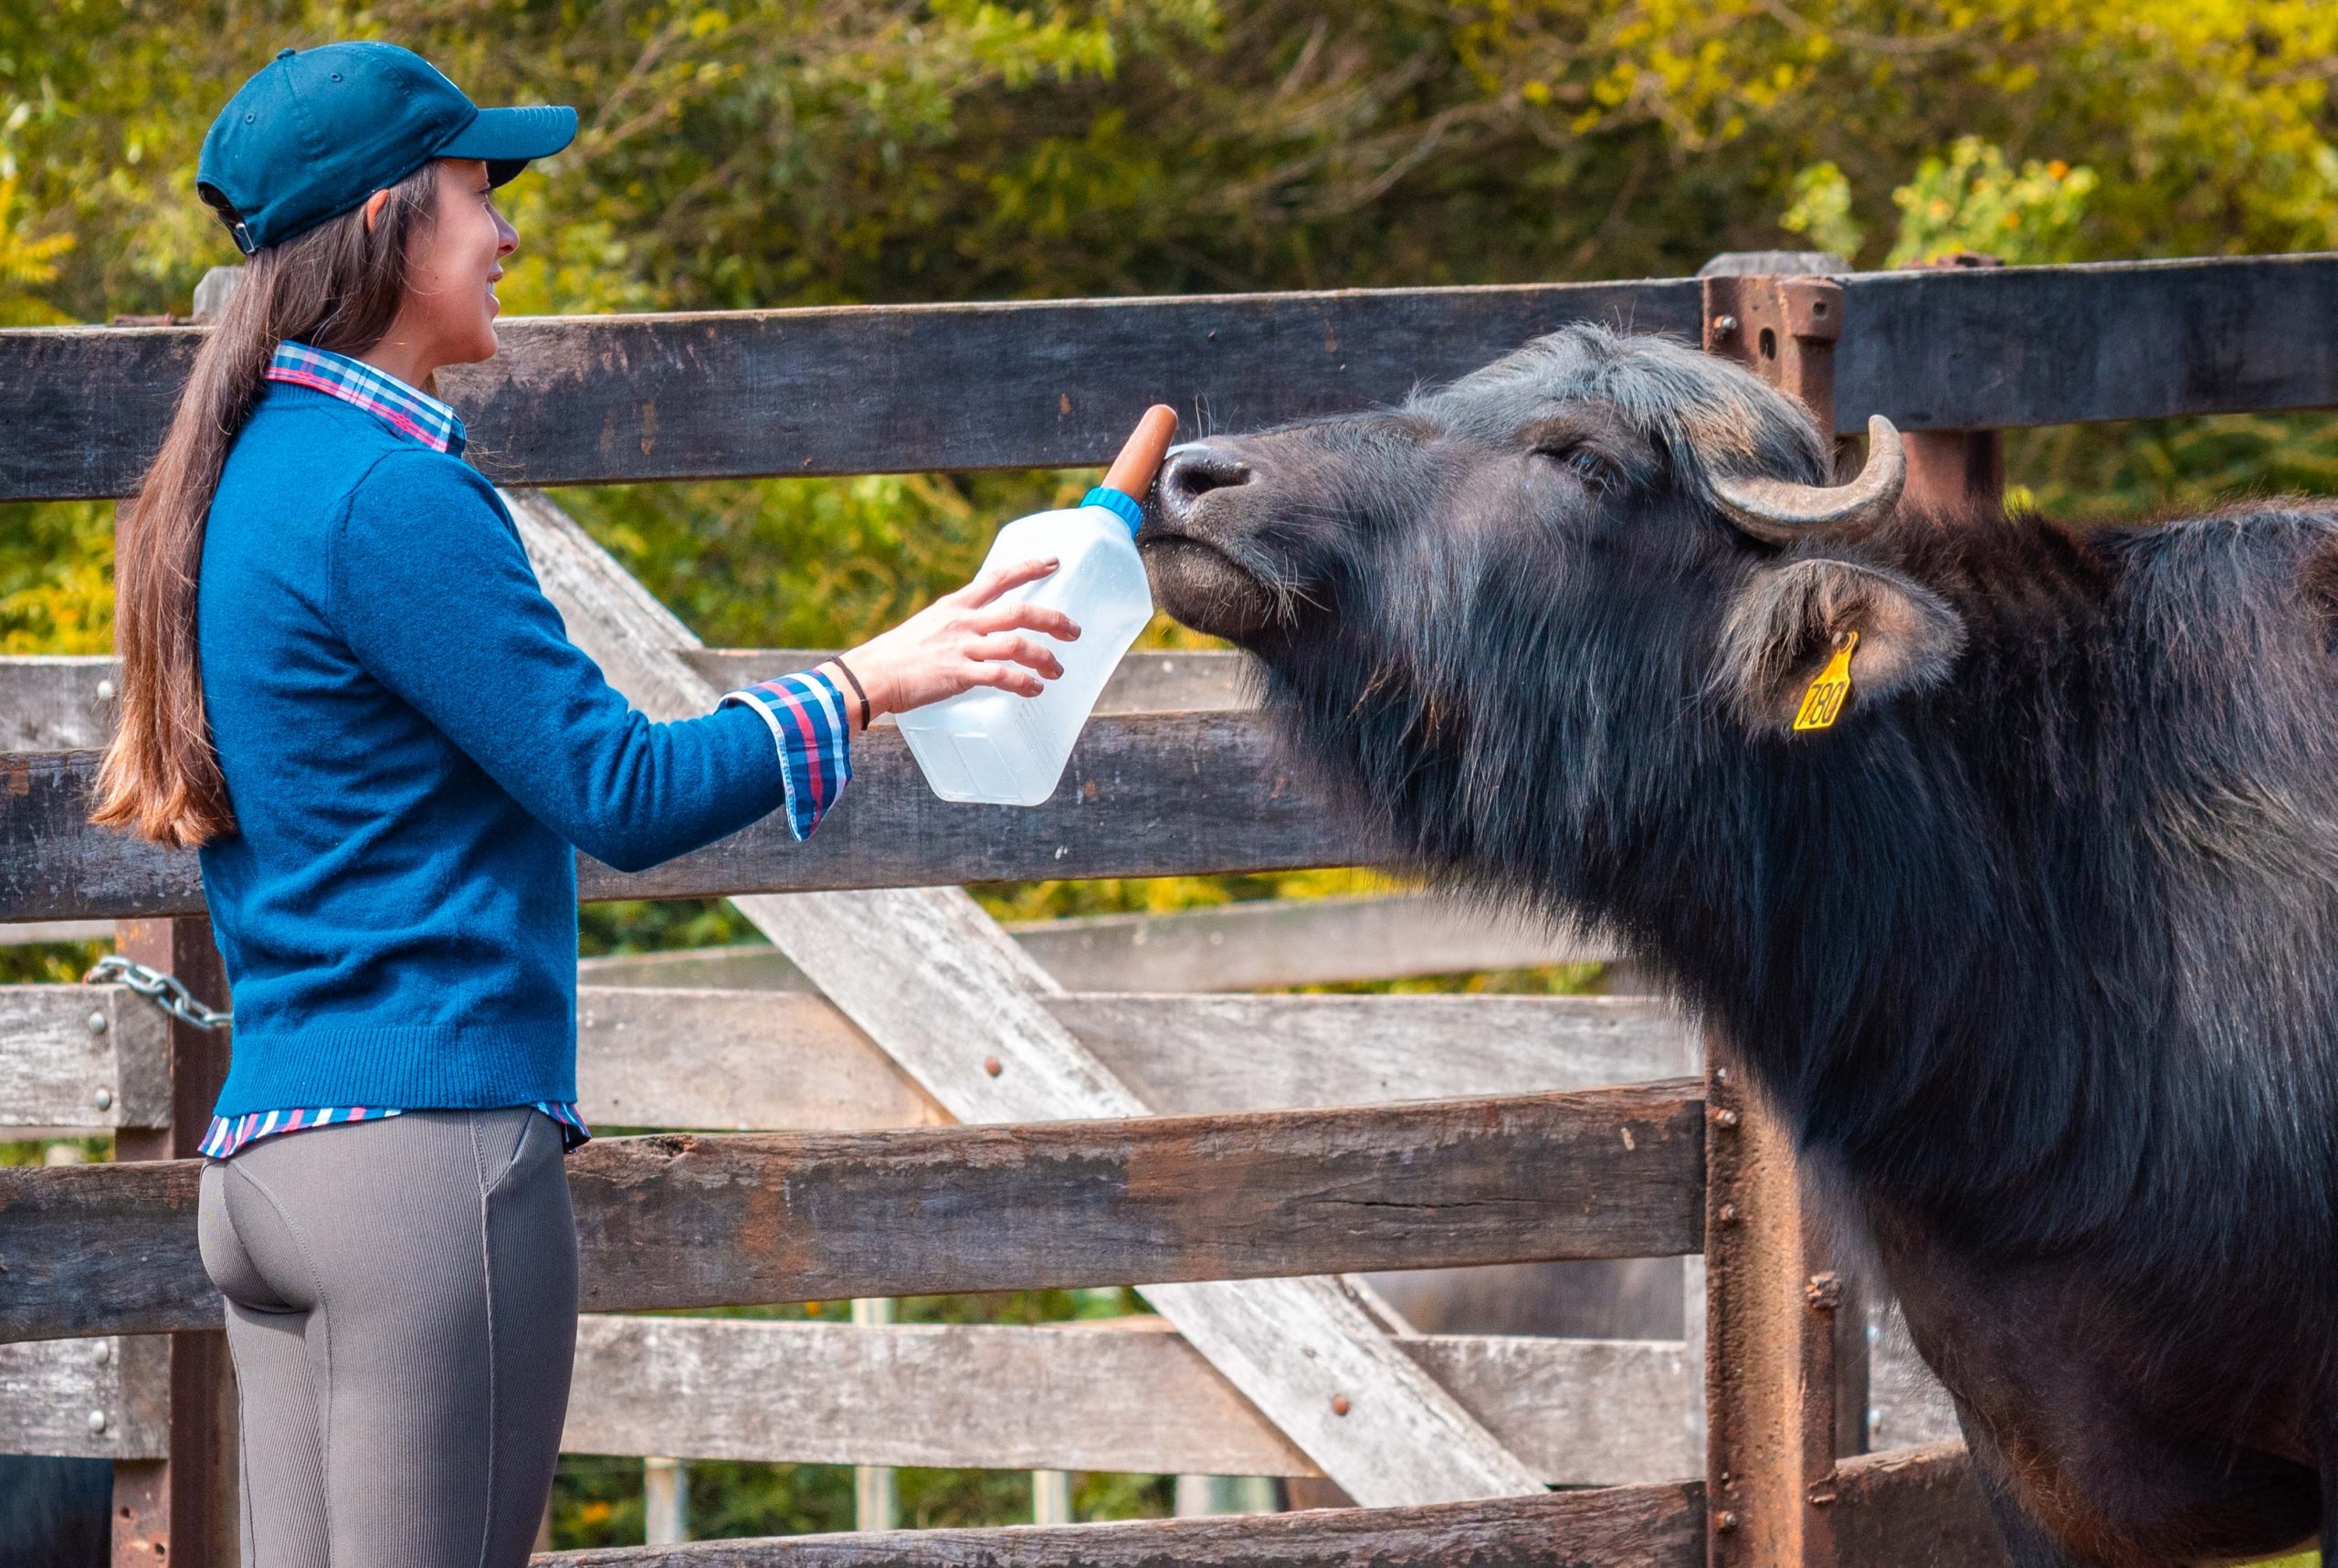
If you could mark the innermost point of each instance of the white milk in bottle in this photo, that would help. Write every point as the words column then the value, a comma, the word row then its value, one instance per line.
column 998, row 748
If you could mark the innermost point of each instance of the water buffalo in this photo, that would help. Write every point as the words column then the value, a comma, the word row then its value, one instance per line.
column 2035, row 946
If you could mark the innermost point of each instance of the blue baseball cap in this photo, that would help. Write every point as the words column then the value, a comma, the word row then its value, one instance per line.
column 318, row 131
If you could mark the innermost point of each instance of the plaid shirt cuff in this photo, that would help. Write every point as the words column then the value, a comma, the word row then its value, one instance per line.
column 806, row 713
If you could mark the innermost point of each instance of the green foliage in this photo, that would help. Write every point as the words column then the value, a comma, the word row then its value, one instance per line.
column 1971, row 201
column 1821, row 210
column 57, row 578
column 1967, row 199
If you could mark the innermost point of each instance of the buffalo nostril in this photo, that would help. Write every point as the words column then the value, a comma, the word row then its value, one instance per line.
column 1192, row 472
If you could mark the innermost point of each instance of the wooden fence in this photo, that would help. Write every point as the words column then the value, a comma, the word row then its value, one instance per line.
column 934, row 1110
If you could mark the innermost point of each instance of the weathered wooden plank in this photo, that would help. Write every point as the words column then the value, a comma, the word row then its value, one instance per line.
column 735, row 1061
column 1223, row 947
column 684, row 1220
column 63, row 703
column 754, row 1061
column 1149, row 796
column 1297, row 941
column 1224, row 1052
column 1914, row 1508
column 24, row 933
column 83, row 1056
column 1614, row 1527
column 874, row 388
column 949, row 997
column 1974, row 350
column 87, row 1399
column 1146, row 682
column 845, row 389
column 1903, row 1509
column 1245, row 946
column 55, row 702
column 1131, row 1396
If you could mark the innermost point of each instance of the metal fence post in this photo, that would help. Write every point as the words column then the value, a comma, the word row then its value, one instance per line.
column 1785, row 1349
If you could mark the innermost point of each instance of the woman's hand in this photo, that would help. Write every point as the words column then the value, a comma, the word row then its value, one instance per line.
column 961, row 640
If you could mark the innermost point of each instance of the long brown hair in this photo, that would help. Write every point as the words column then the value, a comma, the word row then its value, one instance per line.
column 337, row 287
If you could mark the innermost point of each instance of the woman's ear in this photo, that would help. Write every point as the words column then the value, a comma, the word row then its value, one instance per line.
column 1789, row 620
column 374, row 205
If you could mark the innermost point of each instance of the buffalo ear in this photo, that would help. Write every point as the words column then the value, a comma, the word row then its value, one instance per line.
column 1785, row 624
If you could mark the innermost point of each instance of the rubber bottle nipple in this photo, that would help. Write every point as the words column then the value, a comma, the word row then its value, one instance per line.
column 1131, row 472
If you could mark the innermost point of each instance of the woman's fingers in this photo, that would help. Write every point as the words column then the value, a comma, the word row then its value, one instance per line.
column 1023, row 617
column 991, row 583
column 1021, row 649
column 1009, row 677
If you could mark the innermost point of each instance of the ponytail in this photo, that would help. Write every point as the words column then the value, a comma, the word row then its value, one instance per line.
column 337, row 287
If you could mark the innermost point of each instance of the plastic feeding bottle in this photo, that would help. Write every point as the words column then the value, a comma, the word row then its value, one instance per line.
column 1001, row 748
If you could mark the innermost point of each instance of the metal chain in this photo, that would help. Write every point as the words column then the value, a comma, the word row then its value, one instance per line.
column 167, row 992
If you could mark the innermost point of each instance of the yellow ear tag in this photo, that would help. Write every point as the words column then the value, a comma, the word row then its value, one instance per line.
column 1823, row 703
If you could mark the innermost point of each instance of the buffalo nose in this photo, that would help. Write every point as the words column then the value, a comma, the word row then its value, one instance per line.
column 1195, row 470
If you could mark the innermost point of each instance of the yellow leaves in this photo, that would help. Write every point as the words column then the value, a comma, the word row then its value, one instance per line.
column 1821, row 209
column 57, row 578
column 26, row 263
column 1972, row 200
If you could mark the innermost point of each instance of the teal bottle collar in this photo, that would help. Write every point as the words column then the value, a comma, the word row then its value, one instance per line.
column 1115, row 502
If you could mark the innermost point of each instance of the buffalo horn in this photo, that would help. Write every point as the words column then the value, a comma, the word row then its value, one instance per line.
column 1782, row 511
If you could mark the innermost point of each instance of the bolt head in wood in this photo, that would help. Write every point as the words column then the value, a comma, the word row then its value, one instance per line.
column 1726, row 1214
column 1340, row 1406
column 97, row 1023
column 993, row 1066
column 1728, row 1520
column 102, row 1353
column 1724, row 326
column 105, row 691
column 1725, row 1117
column 102, row 1100
column 98, row 1423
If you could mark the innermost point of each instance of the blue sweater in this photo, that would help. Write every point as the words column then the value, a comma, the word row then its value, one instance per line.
column 411, row 746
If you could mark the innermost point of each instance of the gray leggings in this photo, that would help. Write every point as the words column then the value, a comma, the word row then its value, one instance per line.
column 402, row 1312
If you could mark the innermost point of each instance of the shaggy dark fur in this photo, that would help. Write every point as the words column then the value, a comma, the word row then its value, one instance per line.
column 2036, row 948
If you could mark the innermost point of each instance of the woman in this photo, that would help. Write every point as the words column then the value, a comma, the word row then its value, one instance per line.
column 342, row 681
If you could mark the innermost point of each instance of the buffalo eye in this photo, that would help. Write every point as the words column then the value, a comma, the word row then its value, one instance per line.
column 1580, row 461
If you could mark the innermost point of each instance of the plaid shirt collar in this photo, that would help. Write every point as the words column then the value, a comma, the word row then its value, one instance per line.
column 402, row 407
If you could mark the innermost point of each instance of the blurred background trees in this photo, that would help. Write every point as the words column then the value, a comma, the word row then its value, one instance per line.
column 784, row 152
column 776, row 152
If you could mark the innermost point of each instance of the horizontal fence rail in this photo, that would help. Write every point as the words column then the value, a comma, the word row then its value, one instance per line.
column 841, row 390
column 1144, row 795
column 1914, row 1509
column 867, row 389
column 1216, row 947
column 1128, row 1396
column 752, row 1061
column 675, row 1058
column 1131, row 1395
column 64, row 702
column 679, row 1221
column 1614, row 1526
